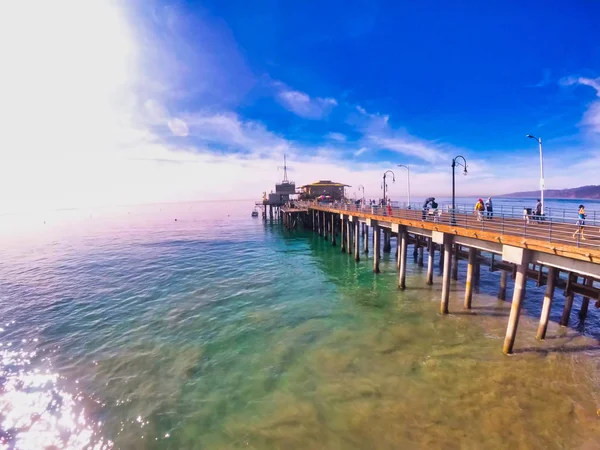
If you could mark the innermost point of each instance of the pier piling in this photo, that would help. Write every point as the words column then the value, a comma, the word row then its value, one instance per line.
column 356, row 240
column 502, row 290
column 402, row 239
column 366, row 238
column 349, row 226
column 547, row 305
column 470, row 270
column 455, row 262
column 585, row 303
column 387, row 241
column 430, row 257
column 515, row 308
column 333, row 230
column 447, row 249
column 569, row 296
column 420, row 253
column 343, row 225
column 376, row 245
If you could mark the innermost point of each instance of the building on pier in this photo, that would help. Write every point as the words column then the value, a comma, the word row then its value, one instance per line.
column 327, row 188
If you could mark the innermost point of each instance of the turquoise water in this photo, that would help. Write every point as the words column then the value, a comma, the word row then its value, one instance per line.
column 130, row 329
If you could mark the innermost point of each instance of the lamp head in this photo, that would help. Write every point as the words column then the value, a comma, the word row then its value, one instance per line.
column 465, row 172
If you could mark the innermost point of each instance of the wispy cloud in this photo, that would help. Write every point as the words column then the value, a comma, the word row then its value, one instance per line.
column 302, row 104
column 591, row 117
column 336, row 136
column 591, row 82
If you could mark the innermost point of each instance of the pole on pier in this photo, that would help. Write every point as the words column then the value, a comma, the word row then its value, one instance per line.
column 585, row 302
column 430, row 257
column 502, row 290
column 343, row 225
column 515, row 308
column 366, row 238
column 376, row 246
column 455, row 262
column 547, row 305
column 356, row 240
column 569, row 296
column 447, row 248
column 402, row 240
column 470, row 270
column 333, row 230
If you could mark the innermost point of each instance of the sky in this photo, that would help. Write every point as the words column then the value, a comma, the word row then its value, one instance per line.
column 108, row 102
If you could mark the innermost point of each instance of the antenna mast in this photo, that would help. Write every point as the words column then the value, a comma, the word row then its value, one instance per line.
column 285, row 177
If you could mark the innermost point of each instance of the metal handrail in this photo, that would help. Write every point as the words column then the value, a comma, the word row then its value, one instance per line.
column 559, row 230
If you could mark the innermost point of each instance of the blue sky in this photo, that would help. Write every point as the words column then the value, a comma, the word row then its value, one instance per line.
column 219, row 90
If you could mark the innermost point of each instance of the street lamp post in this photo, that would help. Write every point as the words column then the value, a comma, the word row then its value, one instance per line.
column 384, row 186
column 407, row 181
column 464, row 166
column 363, row 191
column 539, row 140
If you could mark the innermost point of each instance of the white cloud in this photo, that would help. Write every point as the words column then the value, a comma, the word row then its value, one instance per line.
column 410, row 146
column 591, row 117
column 178, row 127
column 336, row 136
column 302, row 104
column 591, row 82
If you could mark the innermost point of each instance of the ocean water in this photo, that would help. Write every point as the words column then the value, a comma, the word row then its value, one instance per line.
column 194, row 326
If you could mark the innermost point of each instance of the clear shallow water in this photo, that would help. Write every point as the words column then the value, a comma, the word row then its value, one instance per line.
column 128, row 329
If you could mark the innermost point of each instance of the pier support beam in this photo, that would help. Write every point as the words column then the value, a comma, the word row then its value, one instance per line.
column 503, row 280
column 356, row 240
column 314, row 221
column 446, row 276
column 518, row 294
column 430, row 257
column 421, row 250
column 470, row 270
column 366, row 238
column 402, row 242
column 569, row 296
column 271, row 212
column 547, row 305
column 585, row 303
column 442, row 258
column 376, row 246
column 325, row 226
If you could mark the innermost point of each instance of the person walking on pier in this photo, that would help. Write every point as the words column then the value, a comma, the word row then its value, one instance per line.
column 490, row 208
column 537, row 213
column 580, row 223
column 479, row 208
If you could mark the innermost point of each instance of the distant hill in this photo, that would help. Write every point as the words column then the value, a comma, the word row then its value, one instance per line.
column 583, row 192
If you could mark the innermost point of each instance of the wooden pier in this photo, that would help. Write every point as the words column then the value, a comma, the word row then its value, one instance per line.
column 544, row 251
